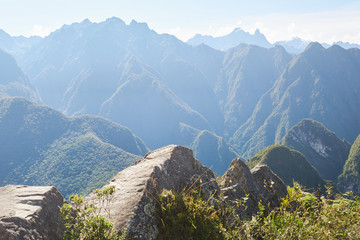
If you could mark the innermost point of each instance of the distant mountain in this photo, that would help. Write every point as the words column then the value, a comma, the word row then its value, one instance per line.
column 91, row 68
column 248, row 72
column 212, row 150
column 17, row 45
column 290, row 165
column 349, row 180
column 294, row 46
column 298, row 45
column 321, row 147
column 13, row 82
column 40, row 146
column 322, row 84
column 236, row 37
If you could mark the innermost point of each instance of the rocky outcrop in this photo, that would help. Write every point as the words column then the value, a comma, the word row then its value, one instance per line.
column 174, row 168
column 246, row 188
column 133, row 206
column 28, row 212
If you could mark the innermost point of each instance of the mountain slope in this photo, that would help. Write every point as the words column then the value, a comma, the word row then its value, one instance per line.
column 87, row 68
column 40, row 146
column 212, row 150
column 13, row 82
column 321, row 147
column 349, row 179
column 248, row 72
column 289, row 165
column 321, row 84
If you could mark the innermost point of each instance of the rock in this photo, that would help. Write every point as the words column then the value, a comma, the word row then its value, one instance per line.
column 28, row 212
column 239, row 183
column 133, row 206
column 134, row 203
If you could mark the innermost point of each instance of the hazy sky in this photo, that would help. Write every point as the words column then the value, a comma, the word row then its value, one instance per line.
column 316, row 20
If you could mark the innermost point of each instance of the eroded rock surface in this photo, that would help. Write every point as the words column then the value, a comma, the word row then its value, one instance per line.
column 174, row 167
column 133, row 206
column 249, row 187
column 29, row 212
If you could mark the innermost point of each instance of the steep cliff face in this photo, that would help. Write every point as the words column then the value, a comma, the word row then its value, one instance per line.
column 174, row 168
column 321, row 147
column 28, row 212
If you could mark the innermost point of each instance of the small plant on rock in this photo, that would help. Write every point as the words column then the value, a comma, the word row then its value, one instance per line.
column 83, row 220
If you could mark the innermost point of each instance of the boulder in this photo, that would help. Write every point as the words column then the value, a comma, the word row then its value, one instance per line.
column 134, row 204
column 245, row 188
column 29, row 212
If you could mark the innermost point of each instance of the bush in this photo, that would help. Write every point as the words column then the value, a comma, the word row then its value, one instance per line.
column 84, row 221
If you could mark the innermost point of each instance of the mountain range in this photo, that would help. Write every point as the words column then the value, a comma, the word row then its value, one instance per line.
column 222, row 103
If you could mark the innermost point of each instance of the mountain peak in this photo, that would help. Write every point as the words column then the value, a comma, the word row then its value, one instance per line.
column 115, row 20
column 136, row 24
column 314, row 46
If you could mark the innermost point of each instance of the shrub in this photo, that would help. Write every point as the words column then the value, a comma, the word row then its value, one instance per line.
column 84, row 221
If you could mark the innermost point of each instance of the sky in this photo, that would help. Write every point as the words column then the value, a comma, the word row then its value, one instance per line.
column 315, row 20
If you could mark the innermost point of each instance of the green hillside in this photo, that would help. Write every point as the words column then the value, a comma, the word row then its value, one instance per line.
column 290, row 165
column 41, row 146
column 349, row 180
column 321, row 147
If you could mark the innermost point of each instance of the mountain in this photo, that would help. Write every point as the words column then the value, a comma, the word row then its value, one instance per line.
column 91, row 68
column 298, row 45
column 41, row 146
column 212, row 150
column 13, row 81
column 349, row 179
column 321, row 147
column 17, row 45
column 321, row 84
column 294, row 46
column 290, row 165
column 231, row 40
column 248, row 72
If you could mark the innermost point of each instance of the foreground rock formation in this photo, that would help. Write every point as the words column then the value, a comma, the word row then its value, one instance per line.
column 260, row 183
column 174, row 167
column 33, row 212
column 30, row 213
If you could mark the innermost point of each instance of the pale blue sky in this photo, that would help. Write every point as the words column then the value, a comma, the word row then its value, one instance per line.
column 317, row 20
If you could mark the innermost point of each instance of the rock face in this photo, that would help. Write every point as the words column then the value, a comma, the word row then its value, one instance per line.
column 30, row 213
column 321, row 147
column 174, row 167
column 133, row 206
column 239, row 183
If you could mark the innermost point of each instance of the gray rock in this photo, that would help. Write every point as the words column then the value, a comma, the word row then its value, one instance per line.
column 245, row 188
column 134, row 204
column 28, row 212
column 133, row 207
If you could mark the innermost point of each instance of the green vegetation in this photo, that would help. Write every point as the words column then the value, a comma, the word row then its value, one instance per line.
column 350, row 174
column 301, row 215
column 290, row 165
column 321, row 147
column 188, row 216
column 79, row 164
column 41, row 146
column 83, row 220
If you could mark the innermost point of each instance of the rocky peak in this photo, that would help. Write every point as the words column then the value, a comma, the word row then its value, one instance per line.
column 28, row 212
column 258, row 184
column 174, row 168
column 133, row 206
